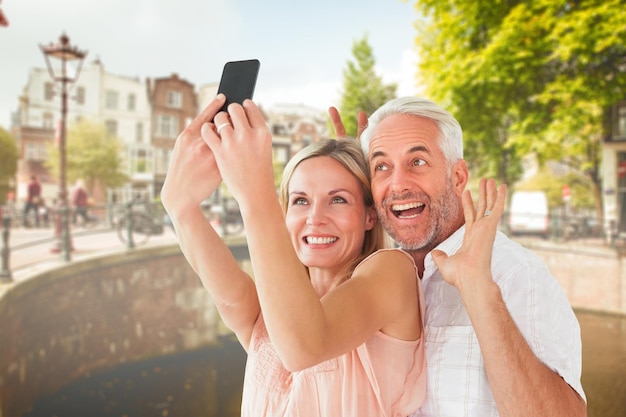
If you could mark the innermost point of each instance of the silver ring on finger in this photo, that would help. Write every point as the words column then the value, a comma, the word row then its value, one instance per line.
column 487, row 213
column 222, row 126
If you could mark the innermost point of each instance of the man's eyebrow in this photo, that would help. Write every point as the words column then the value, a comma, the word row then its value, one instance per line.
column 376, row 154
column 419, row 148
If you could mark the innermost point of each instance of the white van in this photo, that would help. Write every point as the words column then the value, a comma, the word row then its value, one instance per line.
column 529, row 213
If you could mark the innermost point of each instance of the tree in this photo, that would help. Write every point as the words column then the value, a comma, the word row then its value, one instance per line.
column 92, row 154
column 526, row 77
column 363, row 89
column 8, row 163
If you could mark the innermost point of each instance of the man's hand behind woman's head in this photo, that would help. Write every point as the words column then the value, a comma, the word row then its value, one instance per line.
column 340, row 130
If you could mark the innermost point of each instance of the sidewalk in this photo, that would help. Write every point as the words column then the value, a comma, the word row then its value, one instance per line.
column 32, row 249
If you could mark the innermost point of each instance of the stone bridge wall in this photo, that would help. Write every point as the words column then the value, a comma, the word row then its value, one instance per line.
column 593, row 278
column 92, row 315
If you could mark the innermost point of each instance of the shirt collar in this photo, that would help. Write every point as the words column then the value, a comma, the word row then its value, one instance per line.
column 448, row 246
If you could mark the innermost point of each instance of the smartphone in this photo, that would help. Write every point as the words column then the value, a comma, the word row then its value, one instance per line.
column 238, row 81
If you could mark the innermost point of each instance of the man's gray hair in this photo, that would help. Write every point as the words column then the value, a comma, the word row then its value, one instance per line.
column 451, row 138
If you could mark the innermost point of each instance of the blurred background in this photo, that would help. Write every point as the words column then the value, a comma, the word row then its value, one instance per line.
column 93, row 95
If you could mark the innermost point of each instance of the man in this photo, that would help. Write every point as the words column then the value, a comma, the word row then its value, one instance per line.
column 80, row 201
column 506, row 345
column 33, row 200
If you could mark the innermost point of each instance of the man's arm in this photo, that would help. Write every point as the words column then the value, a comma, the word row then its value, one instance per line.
column 521, row 384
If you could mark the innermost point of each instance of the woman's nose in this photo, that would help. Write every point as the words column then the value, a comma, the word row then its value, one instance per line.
column 316, row 215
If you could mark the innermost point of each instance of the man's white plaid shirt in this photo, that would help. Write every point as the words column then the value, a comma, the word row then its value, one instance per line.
column 457, row 383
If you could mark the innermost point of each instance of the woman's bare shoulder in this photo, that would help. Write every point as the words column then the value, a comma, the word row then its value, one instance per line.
column 393, row 259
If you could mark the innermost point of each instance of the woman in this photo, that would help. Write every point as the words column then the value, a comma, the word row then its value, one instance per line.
column 331, row 326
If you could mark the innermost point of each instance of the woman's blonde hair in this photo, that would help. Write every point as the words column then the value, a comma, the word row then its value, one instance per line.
column 348, row 153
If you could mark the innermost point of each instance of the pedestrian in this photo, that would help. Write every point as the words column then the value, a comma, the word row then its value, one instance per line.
column 80, row 203
column 503, row 343
column 33, row 200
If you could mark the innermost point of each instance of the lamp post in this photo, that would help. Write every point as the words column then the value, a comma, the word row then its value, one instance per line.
column 64, row 52
column 3, row 18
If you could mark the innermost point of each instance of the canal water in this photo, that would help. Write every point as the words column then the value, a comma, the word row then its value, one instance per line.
column 207, row 383
column 202, row 383
column 604, row 364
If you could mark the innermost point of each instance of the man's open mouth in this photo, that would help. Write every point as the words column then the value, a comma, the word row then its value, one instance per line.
column 408, row 210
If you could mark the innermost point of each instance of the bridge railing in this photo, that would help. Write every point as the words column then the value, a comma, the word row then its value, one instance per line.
column 133, row 223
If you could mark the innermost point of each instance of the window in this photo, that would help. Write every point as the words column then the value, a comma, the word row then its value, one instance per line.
column 111, row 99
column 621, row 120
column 48, row 91
column 131, row 102
column 48, row 121
column 174, row 99
column 35, row 151
column 166, row 126
column 80, row 95
column 279, row 130
column 162, row 160
column 141, row 161
column 139, row 132
column 30, row 151
column 111, row 127
column 281, row 154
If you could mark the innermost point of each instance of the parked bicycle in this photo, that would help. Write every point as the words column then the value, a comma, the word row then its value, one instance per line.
column 137, row 222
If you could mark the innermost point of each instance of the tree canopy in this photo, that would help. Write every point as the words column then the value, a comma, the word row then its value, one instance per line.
column 526, row 77
column 8, row 162
column 363, row 89
column 92, row 155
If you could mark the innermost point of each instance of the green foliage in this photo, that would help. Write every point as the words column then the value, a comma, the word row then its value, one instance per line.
column 545, row 180
column 8, row 162
column 526, row 76
column 363, row 89
column 92, row 154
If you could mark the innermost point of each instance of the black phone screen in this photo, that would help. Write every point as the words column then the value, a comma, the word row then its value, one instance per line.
column 238, row 81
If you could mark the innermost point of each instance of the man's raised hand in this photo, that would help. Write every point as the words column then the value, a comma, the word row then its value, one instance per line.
column 340, row 130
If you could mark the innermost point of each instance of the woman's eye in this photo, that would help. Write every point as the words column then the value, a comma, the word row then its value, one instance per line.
column 299, row 201
column 338, row 200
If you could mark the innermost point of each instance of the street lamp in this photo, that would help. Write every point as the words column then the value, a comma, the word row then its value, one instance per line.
column 64, row 52
column 3, row 19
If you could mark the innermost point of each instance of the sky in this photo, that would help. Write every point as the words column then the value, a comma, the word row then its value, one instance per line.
column 303, row 45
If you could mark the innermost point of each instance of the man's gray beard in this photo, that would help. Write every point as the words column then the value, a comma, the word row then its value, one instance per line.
column 444, row 209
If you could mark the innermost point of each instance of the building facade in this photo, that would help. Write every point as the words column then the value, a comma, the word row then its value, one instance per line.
column 174, row 104
column 120, row 103
column 614, row 169
column 146, row 116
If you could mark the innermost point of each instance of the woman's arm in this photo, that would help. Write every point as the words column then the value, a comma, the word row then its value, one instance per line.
column 192, row 176
column 305, row 330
